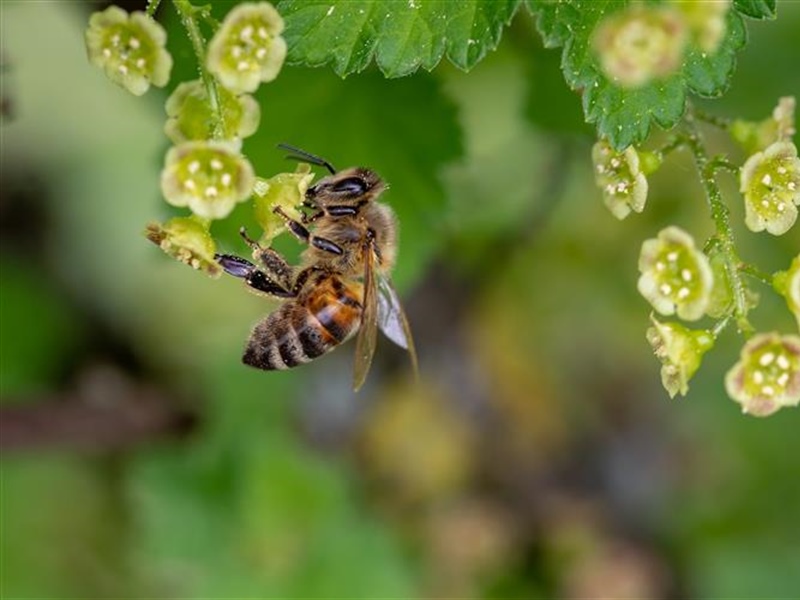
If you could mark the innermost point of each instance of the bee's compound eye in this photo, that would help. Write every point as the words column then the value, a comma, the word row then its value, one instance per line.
column 350, row 186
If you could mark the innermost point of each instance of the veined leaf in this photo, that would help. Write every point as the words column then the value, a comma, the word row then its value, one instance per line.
column 400, row 35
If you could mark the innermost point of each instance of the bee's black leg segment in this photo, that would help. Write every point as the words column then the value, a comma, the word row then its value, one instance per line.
column 248, row 240
column 326, row 245
column 297, row 228
column 252, row 275
column 235, row 265
column 260, row 281
column 312, row 217
column 342, row 211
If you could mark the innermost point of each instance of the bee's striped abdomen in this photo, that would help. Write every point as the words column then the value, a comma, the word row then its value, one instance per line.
column 320, row 319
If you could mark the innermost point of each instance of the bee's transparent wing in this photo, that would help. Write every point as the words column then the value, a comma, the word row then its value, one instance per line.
column 368, row 332
column 392, row 319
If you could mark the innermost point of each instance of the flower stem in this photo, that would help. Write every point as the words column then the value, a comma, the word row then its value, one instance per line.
column 757, row 274
column 701, row 115
column 721, row 217
column 676, row 143
column 187, row 13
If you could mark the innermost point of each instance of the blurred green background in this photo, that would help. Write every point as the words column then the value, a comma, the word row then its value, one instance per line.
column 538, row 457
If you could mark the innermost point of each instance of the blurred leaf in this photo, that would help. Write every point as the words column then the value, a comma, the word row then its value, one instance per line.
column 38, row 327
column 757, row 9
column 401, row 36
column 625, row 116
column 49, row 552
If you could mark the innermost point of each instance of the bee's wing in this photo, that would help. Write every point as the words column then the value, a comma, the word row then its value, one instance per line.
column 392, row 319
column 368, row 332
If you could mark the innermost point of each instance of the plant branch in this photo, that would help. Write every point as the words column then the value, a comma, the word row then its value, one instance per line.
column 720, row 214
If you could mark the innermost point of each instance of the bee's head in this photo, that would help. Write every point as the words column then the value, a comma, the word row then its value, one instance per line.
column 346, row 188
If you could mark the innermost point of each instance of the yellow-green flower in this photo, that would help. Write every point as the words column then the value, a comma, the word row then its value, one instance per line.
column 706, row 21
column 787, row 283
column 640, row 44
column 208, row 177
column 618, row 175
column 247, row 48
column 779, row 127
column 286, row 190
column 767, row 376
column 770, row 182
column 675, row 276
column 680, row 351
column 187, row 240
column 191, row 117
column 129, row 48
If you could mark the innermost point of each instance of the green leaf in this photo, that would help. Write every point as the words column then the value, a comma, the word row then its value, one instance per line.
column 401, row 36
column 626, row 115
column 757, row 9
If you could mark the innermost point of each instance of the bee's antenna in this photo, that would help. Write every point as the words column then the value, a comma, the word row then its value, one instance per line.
column 298, row 154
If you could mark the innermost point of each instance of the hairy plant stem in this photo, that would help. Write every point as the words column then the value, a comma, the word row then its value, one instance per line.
column 701, row 115
column 187, row 13
column 720, row 214
column 676, row 143
column 152, row 7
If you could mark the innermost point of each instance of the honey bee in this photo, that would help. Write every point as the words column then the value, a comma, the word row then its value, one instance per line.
column 342, row 285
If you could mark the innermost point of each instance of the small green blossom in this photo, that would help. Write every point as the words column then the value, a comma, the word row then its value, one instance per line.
column 191, row 117
column 247, row 49
column 779, row 127
column 129, row 48
column 188, row 240
column 675, row 275
column 767, row 376
column 640, row 44
column 770, row 182
column 208, row 177
column 787, row 283
column 286, row 190
column 618, row 175
column 706, row 21
column 680, row 351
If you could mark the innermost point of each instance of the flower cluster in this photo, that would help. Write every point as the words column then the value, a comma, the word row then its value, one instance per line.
column 129, row 48
column 642, row 43
column 767, row 376
column 207, row 118
column 620, row 178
